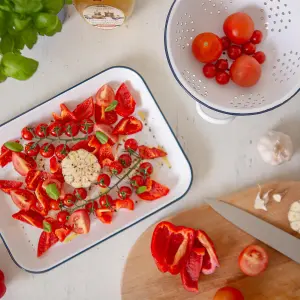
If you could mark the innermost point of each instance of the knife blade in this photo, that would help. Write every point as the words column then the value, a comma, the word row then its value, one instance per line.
column 261, row 230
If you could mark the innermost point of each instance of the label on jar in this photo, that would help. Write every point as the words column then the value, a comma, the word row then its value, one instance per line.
column 103, row 16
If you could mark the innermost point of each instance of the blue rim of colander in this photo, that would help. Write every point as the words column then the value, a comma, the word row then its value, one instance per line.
column 137, row 221
column 199, row 101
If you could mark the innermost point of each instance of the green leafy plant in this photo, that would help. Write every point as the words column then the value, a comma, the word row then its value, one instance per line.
column 21, row 21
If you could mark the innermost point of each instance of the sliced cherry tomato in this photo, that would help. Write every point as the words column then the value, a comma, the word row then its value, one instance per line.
column 151, row 153
column 105, row 217
column 61, row 151
column 23, row 163
column 56, row 129
column 105, row 96
column 103, row 117
column 207, row 47
column 249, row 48
column 253, row 260
column 260, row 57
column 245, row 71
column 108, row 131
column 71, row 129
column 32, row 149
column 30, row 217
column 7, row 185
column 65, row 116
column 80, row 193
column 125, row 203
column 225, row 42
column 47, row 150
column 87, row 126
column 92, row 206
column 54, row 205
column 27, row 133
column 126, row 103
column 239, row 28
column 137, row 181
column 116, row 168
column 209, row 70
column 145, row 169
column 234, row 51
column 62, row 233
column 157, row 191
column 63, row 216
column 69, row 200
column 125, row 160
column 222, row 64
column 105, row 153
column 103, row 180
column 127, row 126
column 131, row 144
column 22, row 198
column 222, row 77
column 125, row 192
column 84, row 110
column 80, row 221
column 228, row 293
column 42, row 130
column 106, row 201
column 257, row 37
column 33, row 178
column 46, row 241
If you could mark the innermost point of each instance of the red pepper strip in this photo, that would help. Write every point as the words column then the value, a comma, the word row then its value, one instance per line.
column 7, row 185
column 150, row 153
column 5, row 158
column 54, row 165
column 104, row 217
column 65, row 116
column 211, row 261
column 126, row 103
column 23, row 199
column 127, row 126
column 59, row 229
column 83, row 145
column 125, row 203
column 42, row 204
column 84, row 110
column 191, row 271
column 30, row 217
column 33, row 178
column 95, row 144
column 103, row 117
column 157, row 191
column 46, row 241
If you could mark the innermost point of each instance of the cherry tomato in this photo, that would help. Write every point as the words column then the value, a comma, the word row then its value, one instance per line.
column 225, row 42
column 146, row 168
column 125, row 160
column 253, row 260
column 249, row 48
column 80, row 221
column 69, row 200
column 106, row 201
column 116, row 167
column 32, row 149
column 87, row 126
column 71, row 129
column 222, row 64
column 228, row 293
column 222, row 77
column 260, row 57
column 137, row 181
column 209, row 70
column 56, row 129
column 131, row 144
column 125, row 192
column 27, row 133
column 92, row 206
column 47, row 150
column 104, row 180
column 234, row 52
column 257, row 37
column 2, row 289
column 80, row 193
column 61, row 151
column 239, row 28
column 54, row 205
column 105, row 96
column 207, row 47
column 42, row 130
column 63, row 216
column 245, row 71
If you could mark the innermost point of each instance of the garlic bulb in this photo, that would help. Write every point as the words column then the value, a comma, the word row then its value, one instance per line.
column 275, row 148
column 294, row 216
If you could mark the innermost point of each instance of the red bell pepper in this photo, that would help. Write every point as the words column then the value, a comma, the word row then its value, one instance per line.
column 5, row 157
column 42, row 204
column 84, row 110
column 65, row 116
column 154, row 191
column 127, row 126
column 126, row 103
column 30, row 217
column 95, row 144
column 104, row 216
column 33, row 178
column 83, row 145
column 7, row 185
column 105, row 154
column 151, row 153
column 191, row 271
column 46, row 241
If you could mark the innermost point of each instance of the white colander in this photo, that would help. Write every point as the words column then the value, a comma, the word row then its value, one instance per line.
column 279, row 21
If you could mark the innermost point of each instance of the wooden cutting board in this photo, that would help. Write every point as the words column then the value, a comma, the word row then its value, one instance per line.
column 281, row 281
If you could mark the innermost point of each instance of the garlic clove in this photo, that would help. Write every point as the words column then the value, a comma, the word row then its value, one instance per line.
column 279, row 196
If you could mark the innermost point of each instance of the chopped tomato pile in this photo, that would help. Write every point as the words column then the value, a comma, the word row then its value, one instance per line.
column 92, row 165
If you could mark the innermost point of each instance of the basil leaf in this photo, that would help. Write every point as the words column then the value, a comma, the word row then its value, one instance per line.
column 2, row 76
column 29, row 36
column 141, row 189
column 112, row 106
column 7, row 44
column 53, row 6
column 47, row 24
column 47, row 227
column 14, row 146
column 27, row 6
column 3, row 20
column 52, row 191
column 20, row 23
column 6, row 5
column 102, row 138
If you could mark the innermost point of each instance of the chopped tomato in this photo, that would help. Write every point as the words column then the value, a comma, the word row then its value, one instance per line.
column 7, row 185
column 108, row 131
column 127, row 126
column 103, row 117
column 228, row 293
column 62, row 233
column 80, row 221
column 157, row 191
column 22, row 198
column 23, row 163
column 33, row 178
column 126, row 103
column 65, row 116
column 105, row 153
column 105, row 96
column 84, row 110
column 46, row 241
column 150, row 153
column 30, row 217
column 104, row 217
column 125, row 203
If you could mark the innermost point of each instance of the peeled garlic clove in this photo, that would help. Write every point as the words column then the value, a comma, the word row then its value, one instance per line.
column 266, row 196
column 279, row 196
column 294, row 216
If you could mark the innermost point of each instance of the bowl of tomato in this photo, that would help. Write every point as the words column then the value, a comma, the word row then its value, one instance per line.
column 233, row 58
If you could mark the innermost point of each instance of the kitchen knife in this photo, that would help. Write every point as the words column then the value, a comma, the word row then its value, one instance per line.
column 261, row 230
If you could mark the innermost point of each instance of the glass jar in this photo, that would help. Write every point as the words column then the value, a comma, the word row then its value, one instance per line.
column 105, row 14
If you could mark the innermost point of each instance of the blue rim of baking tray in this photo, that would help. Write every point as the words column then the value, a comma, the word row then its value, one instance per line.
column 210, row 107
column 147, row 216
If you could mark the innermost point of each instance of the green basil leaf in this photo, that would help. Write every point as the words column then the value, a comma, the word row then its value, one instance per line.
column 141, row 189
column 2, row 76
column 102, row 138
column 47, row 24
column 29, row 36
column 17, row 66
column 53, row 6
column 19, row 43
column 6, row 5
column 47, row 227
column 14, row 146
column 7, row 44
column 3, row 22
column 112, row 106
column 52, row 191
column 20, row 22
column 27, row 6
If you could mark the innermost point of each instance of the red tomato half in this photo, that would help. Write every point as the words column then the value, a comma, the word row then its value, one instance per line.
column 228, row 293
column 245, row 71
column 207, row 47
column 80, row 221
column 22, row 198
column 105, row 96
column 23, row 163
column 239, row 28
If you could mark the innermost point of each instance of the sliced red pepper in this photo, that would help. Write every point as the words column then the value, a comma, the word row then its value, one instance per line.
column 127, row 126
column 7, row 185
column 84, row 110
column 83, row 145
column 5, row 158
column 157, row 191
column 22, row 198
column 191, row 271
column 65, row 116
column 33, row 178
column 42, row 204
column 104, row 216
column 125, row 203
column 126, row 103
column 46, row 241
column 62, row 233
column 58, row 176
column 103, row 117
column 30, row 217
column 54, row 165
column 95, row 144
column 105, row 153
column 151, row 153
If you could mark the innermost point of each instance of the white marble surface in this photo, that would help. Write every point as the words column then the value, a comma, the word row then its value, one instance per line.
column 224, row 158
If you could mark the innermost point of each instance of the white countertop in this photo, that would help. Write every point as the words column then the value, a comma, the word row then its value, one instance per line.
column 224, row 158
